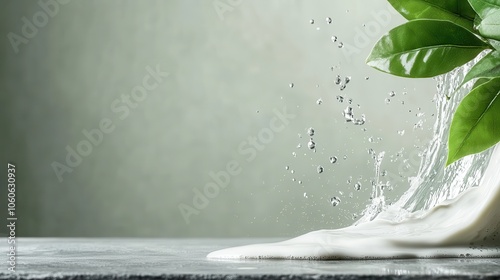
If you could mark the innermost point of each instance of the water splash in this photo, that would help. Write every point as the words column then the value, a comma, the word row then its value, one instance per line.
column 434, row 183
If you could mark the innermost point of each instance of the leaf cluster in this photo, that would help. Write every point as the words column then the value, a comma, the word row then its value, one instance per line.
column 441, row 35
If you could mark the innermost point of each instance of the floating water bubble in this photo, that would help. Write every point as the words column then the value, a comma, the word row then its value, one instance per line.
column 419, row 124
column 338, row 80
column 319, row 101
column 300, row 182
column 360, row 121
column 311, row 145
column 371, row 140
column 334, row 39
column 392, row 94
column 357, row 186
column 292, row 171
column 311, row 21
column 291, row 85
column 401, row 132
column 347, row 80
column 340, row 98
column 305, row 195
column 287, row 167
column 367, row 78
column 348, row 114
column 310, row 131
column 345, row 157
column 329, row 20
column 335, row 201
column 294, row 154
column 333, row 159
column 387, row 100
column 319, row 169
column 299, row 146
column 340, row 45
column 293, row 179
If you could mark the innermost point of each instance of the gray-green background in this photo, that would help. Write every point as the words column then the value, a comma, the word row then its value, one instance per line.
column 230, row 64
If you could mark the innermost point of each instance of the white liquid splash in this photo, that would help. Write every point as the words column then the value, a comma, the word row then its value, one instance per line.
column 452, row 212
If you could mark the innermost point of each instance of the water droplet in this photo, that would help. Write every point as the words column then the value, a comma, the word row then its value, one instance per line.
column 319, row 101
column 340, row 45
column 357, row 186
column 329, row 20
column 300, row 182
column 401, row 132
column 333, row 159
column 348, row 114
column 299, row 146
column 345, row 157
column 287, row 167
column 311, row 21
column 387, row 100
column 335, row 201
column 311, row 145
column 360, row 121
column 292, row 171
column 310, row 131
column 367, row 78
column 371, row 140
column 319, row 169
column 291, row 85
column 305, row 195
column 347, row 80
column 334, row 39
column 338, row 80
column 293, row 179
column 294, row 154
column 392, row 94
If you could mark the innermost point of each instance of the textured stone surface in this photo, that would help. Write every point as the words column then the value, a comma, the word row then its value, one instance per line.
column 57, row 258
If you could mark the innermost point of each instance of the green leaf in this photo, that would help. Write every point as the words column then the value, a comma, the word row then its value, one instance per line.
column 424, row 48
column 476, row 123
column 479, row 82
column 490, row 25
column 484, row 7
column 456, row 11
column 495, row 44
column 488, row 67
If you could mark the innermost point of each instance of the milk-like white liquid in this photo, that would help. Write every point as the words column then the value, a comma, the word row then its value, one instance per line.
column 452, row 212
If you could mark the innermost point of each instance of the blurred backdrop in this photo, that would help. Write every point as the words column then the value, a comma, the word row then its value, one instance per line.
column 190, row 118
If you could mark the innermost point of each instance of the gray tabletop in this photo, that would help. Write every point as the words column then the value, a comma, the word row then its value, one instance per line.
column 56, row 258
